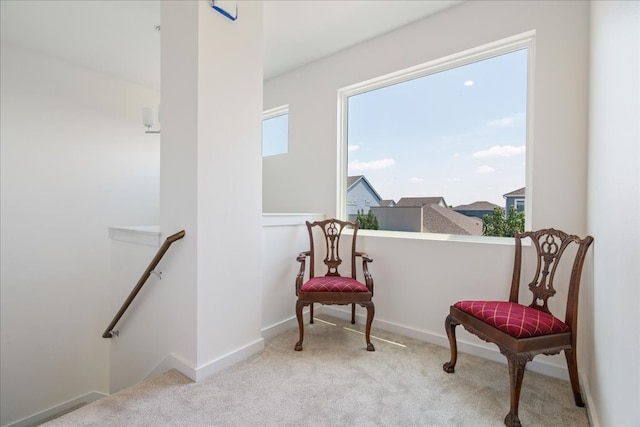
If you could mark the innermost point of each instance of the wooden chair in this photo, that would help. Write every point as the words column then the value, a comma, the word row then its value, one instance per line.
column 522, row 332
column 332, row 288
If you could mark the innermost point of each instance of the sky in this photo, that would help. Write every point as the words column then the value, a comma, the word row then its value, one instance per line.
column 459, row 133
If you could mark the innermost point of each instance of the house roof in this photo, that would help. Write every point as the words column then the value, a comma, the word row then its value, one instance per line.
column 477, row 206
column 438, row 219
column 388, row 203
column 421, row 201
column 518, row 192
column 353, row 180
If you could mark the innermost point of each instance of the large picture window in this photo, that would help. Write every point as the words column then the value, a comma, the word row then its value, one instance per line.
column 437, row 148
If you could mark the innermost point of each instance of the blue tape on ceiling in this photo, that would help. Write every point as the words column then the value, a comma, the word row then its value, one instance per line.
column 223, row 8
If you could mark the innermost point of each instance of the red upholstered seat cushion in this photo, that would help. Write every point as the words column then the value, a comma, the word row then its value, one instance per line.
column 333, row 284
column 517, row 320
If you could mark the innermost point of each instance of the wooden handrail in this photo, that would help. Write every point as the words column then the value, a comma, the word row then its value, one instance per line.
column 108, row 333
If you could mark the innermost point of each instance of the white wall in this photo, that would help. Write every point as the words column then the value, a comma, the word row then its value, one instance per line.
column 138, row 347
column 284, row 236
column 613, row 348
column 417, row 280
column 75, row 160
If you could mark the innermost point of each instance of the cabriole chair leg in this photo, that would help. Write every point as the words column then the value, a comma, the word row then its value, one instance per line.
column 450, row 327
column 517, row 363
column 572, row 366
column 370, row 312
column 299, row 307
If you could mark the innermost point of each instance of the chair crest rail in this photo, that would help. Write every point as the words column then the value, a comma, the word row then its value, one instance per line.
column 109, row 332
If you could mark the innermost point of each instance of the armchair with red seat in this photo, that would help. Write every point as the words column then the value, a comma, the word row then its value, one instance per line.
column 522, row 332
column 333, row 288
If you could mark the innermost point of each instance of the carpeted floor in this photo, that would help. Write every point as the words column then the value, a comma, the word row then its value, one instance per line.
column 334, row 381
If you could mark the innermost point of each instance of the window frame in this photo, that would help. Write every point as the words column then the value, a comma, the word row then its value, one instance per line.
column 272, row 113
column 521, row 41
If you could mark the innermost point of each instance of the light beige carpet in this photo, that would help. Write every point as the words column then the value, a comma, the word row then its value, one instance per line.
column 334, row 381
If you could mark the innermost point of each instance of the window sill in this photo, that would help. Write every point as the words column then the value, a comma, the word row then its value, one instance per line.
column 408, row 235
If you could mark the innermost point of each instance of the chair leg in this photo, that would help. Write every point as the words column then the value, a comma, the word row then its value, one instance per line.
column 299, row 307
column 572, row 364
column 450, row 326
column 370, row 312
column 311, row 313
column 353, row 314
column 517, row 363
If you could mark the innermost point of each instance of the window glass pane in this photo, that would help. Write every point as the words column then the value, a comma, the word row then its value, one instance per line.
column 275, row 135
column 451, row 143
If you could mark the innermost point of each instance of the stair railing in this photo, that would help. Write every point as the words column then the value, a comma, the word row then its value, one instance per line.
column 109, row 332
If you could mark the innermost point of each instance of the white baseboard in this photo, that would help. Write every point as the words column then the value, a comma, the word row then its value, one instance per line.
column 292, row 322
column 55, row 411
column 173, row 361
column 474, row 349
column 229, row 359
column 592, row 414
column 280, row 327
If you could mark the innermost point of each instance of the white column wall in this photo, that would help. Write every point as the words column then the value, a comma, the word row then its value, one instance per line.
column 612, row 374
column 75, row 160
column 417, row 280
column 229, row 182
column 177, row 331
column 211, row 179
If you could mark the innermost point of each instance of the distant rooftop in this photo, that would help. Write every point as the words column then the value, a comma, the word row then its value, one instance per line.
column 421, row 201
column 518, row 192
column 438, row 218
column 477, row 206
column 352, row 180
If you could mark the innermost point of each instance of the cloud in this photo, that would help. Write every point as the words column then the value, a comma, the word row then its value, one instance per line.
column 416, row 180
column 501, row 151
column 485, row 169
column 454, row 179
column 357, row 166
column 353, row 148
column 508, row 121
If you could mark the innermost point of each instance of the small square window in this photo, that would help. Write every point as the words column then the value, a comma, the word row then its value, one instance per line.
column 275, row 131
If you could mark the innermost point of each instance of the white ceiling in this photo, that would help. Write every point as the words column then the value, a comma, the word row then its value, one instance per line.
column 120, row 37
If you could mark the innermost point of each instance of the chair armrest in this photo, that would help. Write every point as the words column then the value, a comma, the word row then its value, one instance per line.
column 368, row 280
column 303, row 255
column 301, row 258
column 365, row 257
